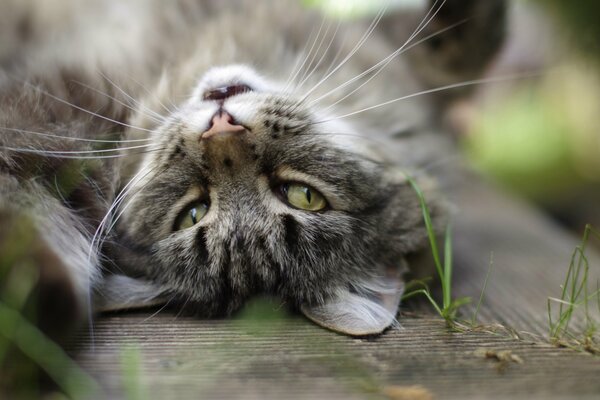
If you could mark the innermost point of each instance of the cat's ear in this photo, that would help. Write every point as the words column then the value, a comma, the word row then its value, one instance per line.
column 366, row 308
column 462, row 39
column 120, row 292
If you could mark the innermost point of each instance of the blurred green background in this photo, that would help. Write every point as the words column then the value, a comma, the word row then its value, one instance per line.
column 538, row 137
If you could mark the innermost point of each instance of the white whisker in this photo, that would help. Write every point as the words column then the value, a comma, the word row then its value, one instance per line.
column 97, row 241
column 318, row 63
column 360, row 43
column 76, row 139
column 435, row 90
column 293, row 78
column 85, row 110
column 155, row 96
column 380, row 66
column 157, row 119
column 58, row 154
column 67, row 152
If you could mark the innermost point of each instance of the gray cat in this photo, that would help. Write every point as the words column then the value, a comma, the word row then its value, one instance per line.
column 201, row 152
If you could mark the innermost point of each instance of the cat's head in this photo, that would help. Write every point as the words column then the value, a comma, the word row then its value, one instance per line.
column 251, row 192
column 250, row 188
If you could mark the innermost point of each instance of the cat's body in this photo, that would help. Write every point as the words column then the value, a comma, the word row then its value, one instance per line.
column 223, row 108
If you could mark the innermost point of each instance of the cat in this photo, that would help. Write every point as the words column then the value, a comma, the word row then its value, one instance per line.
column 197, row 153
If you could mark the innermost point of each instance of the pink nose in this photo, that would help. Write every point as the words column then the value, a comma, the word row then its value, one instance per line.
column 222, row 123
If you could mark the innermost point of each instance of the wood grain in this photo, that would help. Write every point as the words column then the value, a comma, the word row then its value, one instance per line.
column 293, row 359
column 290, row 358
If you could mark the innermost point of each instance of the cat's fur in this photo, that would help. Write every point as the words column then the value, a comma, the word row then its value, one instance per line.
column 90, row 73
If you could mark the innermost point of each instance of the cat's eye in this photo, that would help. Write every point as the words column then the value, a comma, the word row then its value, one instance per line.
column 303, row 197
column 191, row 215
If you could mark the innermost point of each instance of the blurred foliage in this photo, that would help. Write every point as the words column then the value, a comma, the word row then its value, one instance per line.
column 358, row 8
column 580, row 20
column 542, row 140
column 540, row 137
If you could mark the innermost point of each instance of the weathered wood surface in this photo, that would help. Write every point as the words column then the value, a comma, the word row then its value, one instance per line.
column 189, row 358
column 183, row 357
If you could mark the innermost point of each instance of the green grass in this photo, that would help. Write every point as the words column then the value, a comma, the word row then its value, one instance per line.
column 131, row 362
column 575, row 294
column 443, row 265
column 19, row 332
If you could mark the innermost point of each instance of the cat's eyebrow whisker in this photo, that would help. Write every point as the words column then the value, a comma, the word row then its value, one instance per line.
column 157, row 118
column 84, row 110
column 356, row 47
column 436, row 90
column 76, row 139
column 97, row 241
column 122, row 210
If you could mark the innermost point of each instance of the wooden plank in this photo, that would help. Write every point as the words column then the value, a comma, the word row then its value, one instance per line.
column 531, row 255
column 184, row 357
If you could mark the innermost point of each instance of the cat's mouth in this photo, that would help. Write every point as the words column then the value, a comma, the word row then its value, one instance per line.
column 222, row 93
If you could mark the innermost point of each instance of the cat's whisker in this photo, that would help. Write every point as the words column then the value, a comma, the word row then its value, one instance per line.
column 293, row 78
column 473, row 82
column 358, row 136
column 97, row 241
column 67, row 152
column 156, row 97
column 387, row 61
column 139, row 104
column 337, row 55
column 75, row 139
column 182, row 308
column 84, row 110
column 323, row 55
column 162, row 308
column 380, row 66
column 75, row 155
column 355, row 49
column 157, row 118
column 315, row 53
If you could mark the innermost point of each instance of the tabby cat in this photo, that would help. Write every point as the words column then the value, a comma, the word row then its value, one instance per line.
column 198, row 153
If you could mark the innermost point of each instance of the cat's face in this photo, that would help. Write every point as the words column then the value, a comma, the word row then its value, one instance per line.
column 250, row 191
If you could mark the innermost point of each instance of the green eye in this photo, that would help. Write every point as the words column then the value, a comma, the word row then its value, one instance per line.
column 191, row 216
column 303, row 197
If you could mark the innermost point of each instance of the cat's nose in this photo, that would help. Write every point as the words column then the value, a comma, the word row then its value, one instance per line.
column 222, row 124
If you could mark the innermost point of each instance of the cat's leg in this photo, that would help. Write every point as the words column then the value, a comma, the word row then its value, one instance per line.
column 52, row 197
column 460, row 38
column 46, row 268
